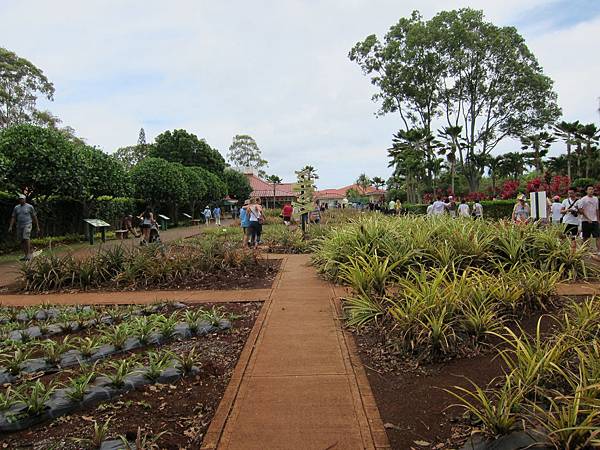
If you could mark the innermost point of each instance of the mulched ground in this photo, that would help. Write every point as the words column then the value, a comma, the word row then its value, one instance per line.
column 416, row 411
column 183, row 410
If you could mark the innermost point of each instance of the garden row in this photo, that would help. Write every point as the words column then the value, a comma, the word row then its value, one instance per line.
column 205, row 262
column 431, row 291
column 124, row 389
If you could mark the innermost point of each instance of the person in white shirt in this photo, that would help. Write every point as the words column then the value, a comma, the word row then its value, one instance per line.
column 589, row 213
column 478, row 210
column 463, row 209
column 430, row 209
column 570, row 217
column 555, row 209
column 438, row 208
column 451, row 206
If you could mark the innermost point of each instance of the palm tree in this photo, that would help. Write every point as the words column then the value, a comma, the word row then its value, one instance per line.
column 407, row 156
column 567, row 131
column 275, row 180
column 539, row 144
column 363, row 181
column 590, row 136
column 311, row 171
column 512, row 164
column 378, row 182
column 452, row 136
column 493, row 163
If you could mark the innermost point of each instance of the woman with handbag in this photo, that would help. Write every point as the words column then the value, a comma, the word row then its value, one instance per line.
column 256, row 219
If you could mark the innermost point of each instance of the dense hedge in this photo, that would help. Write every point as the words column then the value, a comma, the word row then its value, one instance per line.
column 497, row 209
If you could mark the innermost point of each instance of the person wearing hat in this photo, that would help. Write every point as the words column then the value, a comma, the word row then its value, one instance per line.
column 556, row 210
column 24, row 216
column 245, row 221
column 521, row 211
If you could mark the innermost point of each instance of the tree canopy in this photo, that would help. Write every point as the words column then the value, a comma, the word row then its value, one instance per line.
column 459, row 69
column 21, row 83
column 157, row 180
column 238, row 186
column 41, row 161
column 103, row 175
column 185, row 148
column 244, row 152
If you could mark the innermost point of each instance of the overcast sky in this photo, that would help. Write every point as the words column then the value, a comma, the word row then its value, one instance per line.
column 277, row 70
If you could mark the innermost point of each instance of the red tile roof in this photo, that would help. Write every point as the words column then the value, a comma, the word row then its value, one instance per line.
column 261, row 188
column 341, row 192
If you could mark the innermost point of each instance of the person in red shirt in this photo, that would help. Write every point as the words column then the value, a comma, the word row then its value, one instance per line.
column 286, row 213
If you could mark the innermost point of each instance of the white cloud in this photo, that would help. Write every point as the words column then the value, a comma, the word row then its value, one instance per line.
column 276, row 70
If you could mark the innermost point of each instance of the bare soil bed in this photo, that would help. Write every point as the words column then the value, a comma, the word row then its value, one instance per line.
column 415, row 409
column 182, row 410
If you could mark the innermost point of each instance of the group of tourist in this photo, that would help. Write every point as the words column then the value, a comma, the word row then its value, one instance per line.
column 251, row 220
column 580, row 216
column 449, row 206
column 214, row 214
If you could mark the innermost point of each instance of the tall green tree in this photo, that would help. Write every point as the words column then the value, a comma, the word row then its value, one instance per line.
column 196, row 188
column 244, row 153
column 538, row 144
column 589, row 136
column 466, row 70
column 406, row 156
column 511, row 164
column 567, row 131
column 21, row 83
column 452, row 136
column 312, row 172
column 185, row 148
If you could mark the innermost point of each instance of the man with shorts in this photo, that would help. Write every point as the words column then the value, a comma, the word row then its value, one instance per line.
column 570, row 217
column 24, row 216
column 589, row 212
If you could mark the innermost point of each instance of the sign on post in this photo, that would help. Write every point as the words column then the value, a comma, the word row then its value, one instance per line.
column 539, row 206
column 304, row 202
column 93, row 224
column 163, row 221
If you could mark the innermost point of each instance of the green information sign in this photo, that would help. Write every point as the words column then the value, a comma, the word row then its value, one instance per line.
column 95, row 223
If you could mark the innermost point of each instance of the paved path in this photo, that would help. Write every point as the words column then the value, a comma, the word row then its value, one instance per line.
column 135, row 297
column 9, row 271
column 300, row 385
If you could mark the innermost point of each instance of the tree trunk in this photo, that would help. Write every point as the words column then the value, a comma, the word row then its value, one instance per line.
column 569, row 160
column 452, row 174
column 588, row 160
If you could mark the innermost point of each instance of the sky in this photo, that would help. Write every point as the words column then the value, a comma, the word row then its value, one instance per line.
column 276, row 70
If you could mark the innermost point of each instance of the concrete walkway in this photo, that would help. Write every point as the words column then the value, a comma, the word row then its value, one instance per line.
column 301, row 385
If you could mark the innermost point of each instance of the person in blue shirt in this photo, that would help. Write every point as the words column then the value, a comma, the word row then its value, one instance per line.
column 245, row 221
column 217, row 215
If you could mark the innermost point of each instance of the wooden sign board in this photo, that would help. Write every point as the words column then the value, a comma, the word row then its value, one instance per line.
column 97, row 223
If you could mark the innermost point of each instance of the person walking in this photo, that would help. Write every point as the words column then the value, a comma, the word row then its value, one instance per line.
column 147, row 218
column 451, row 206
column 570, row 217
column 521, row 211
column 217, row 215
column 207, row 215
column 556, row 210
column 286, row 213
column 478, row 210
column 398, row 207
column 589, row 212
column 463, row 209
column 24, row 216
column 256, row 219
column 245, row 221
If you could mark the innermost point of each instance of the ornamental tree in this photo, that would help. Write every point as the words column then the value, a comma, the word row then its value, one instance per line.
column 42, row 161
column 185, row 148
column 157, row 180
column 238, row 186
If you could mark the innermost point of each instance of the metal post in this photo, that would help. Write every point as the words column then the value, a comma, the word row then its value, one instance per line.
column 103, row 233
column 92, row 233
